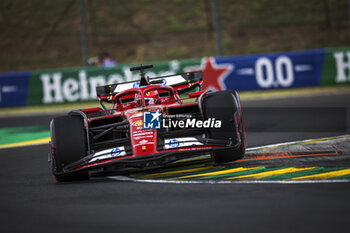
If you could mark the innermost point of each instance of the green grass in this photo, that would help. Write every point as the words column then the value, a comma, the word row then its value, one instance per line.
column 21, row 134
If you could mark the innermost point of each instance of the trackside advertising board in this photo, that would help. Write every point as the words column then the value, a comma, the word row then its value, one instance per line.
column 14, row 89
column 336, row 67
column 253, row 72
column 79, row 84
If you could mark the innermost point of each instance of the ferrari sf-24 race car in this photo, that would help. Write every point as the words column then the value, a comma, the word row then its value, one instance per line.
column 147, row 125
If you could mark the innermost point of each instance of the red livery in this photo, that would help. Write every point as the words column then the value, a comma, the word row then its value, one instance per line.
column 147, row 125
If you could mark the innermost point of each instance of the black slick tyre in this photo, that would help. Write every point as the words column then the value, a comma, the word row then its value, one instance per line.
column 225, row 106
column 69, row 144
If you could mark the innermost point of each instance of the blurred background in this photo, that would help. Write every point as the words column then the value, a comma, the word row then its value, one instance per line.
column 40, row 34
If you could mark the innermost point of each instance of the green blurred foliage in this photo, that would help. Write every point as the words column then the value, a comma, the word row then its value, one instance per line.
column 40, row 34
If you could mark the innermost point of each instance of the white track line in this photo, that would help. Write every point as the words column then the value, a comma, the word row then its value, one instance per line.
column 125, row 178
column 296, row 142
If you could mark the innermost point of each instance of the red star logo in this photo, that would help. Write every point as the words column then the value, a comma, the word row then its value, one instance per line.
column 214, row 75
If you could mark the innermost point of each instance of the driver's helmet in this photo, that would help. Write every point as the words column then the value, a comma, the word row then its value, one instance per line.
column 151, row 98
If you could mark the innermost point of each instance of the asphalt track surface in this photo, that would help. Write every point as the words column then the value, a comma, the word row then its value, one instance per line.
column 31, row 200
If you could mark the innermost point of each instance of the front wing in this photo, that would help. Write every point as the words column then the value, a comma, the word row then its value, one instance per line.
column 120, row 160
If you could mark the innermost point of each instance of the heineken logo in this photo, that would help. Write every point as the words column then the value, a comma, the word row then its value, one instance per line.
column 59, row 87
column 56, row 89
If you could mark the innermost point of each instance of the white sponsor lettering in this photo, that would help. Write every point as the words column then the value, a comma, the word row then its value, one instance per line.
column 287, row 79
column 52, row 88
column 70, row 90
column 209, row 123
column 302, row 68
column 8, row 89
column 267, row 78
column 84, row 93
column 137, row 133
column 144, row 136
column 342, row 66
column 264, row 81
column 57, row 88
column 96, row 82
column 115, row 78
column 245, row 71
column 175, row 65
column 129, row 76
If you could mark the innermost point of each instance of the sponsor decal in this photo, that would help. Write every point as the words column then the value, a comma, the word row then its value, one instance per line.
column 72, row 85
column 181, row 142
column 151, row 120
column 138, row 123
column 192, row 123
column 143, row 141
column 174, row 143
column 144, row 136
column 264, row 71
column 214, row 75
column 342, row 59
column 14, row 88
column 109, row 153
column 115, row 152
column 141, row 133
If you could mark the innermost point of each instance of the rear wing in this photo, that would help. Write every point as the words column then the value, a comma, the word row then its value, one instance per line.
column 180, row 82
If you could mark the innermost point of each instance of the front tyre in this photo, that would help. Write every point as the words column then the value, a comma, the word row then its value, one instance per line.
column 69, row 144
column 225, row 106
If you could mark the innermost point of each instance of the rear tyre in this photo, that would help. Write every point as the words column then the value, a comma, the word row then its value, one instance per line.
column 225, row 106
column 69, row 144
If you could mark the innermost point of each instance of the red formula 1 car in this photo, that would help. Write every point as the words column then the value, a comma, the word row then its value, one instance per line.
column 147, row 126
